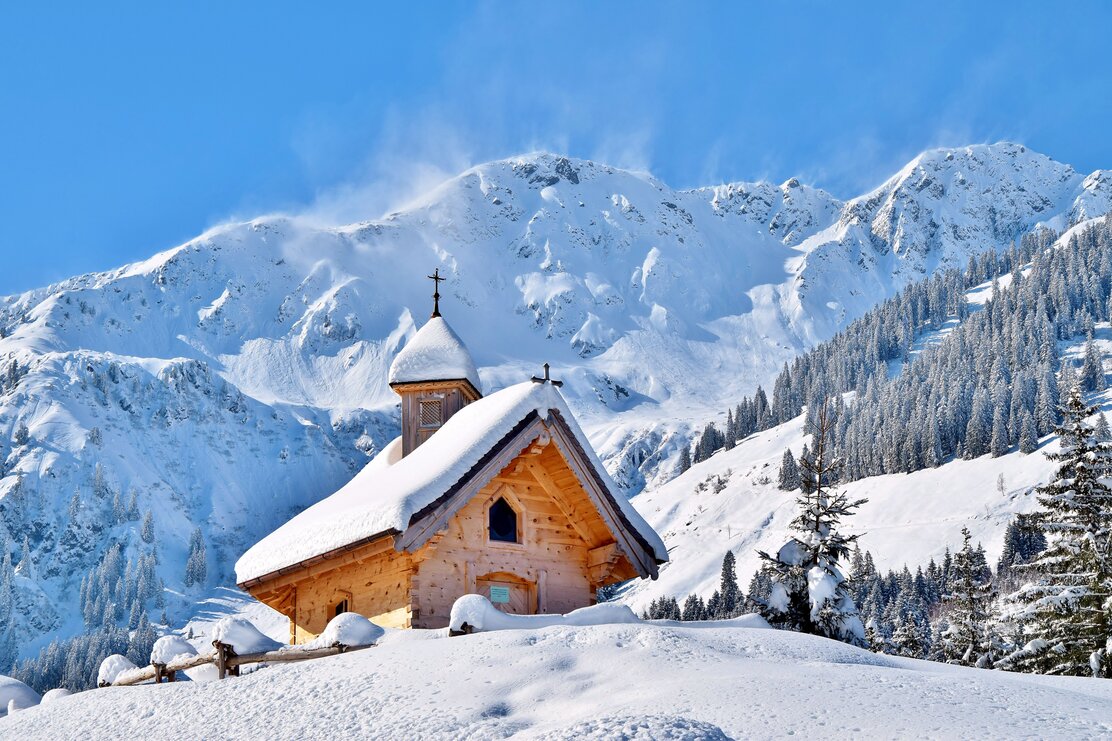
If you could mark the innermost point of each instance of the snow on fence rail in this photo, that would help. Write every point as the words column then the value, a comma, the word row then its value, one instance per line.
column 236, row 642
column 227, row 661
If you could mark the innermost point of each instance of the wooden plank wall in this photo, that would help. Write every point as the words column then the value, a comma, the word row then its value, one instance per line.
column 552, row 554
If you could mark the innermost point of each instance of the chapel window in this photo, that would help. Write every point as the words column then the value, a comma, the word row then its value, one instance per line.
column 341, row 607
column 503, row 522
column 430, row 412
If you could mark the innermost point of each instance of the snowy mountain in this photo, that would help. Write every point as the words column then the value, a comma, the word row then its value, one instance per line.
column 231, row 381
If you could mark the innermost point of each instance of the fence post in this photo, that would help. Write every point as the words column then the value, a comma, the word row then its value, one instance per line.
column 221, row 659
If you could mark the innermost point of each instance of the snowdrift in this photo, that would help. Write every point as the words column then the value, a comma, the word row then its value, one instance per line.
column 701, row 681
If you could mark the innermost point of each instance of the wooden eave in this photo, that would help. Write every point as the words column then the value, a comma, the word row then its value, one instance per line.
column 470, row 391
column 308, row 562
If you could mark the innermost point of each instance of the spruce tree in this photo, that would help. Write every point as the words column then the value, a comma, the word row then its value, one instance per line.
column 685, row 459
column 1066, row 604
column 146, row 528
column 1102, row 431
column 729, row 594
column 967, row 640
column 1028, row 434
column 789, row 472
column 809, row 592
column 694, row 609
column 1092, row 370
column 196, row 565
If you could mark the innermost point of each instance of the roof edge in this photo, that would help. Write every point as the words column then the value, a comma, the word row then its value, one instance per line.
column 256, row 581
column 464, row 381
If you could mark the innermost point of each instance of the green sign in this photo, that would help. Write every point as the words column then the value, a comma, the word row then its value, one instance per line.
column 500, row 595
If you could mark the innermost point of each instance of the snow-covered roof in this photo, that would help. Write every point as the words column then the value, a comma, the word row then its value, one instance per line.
column 389, row 491
column 436, row 353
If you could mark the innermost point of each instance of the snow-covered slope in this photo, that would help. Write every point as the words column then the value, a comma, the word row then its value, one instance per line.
column 731, row 501
column 238, row 378
column 635, row 681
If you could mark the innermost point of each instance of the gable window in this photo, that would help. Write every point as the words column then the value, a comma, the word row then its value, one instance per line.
column 502, row 520
column 341, row 607
column 430, row 413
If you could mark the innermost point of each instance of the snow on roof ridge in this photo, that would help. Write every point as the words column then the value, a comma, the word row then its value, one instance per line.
column 436, row 353
column 383, row 498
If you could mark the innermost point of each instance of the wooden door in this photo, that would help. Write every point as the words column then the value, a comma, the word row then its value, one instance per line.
column 509, row 593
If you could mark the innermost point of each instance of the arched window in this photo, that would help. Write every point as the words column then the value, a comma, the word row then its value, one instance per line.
column 502, row 520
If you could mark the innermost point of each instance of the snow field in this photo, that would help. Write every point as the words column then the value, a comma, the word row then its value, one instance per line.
column 708, row 680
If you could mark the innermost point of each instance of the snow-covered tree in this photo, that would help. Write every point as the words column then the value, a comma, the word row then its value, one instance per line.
column 196, row 565
column 967, row 640
column 1066, row 605
column 1101, row 430
column 146, row 528
column 685, row 460
column 1091, row 375
column 809, row 593
column 789, row 472
column 1028, row 434
column 693, row 608
column 730, row 597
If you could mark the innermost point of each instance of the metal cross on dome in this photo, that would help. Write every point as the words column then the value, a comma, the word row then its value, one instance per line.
column 436, row 277
column 547, row 378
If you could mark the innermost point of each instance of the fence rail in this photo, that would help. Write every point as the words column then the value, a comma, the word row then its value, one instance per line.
column 227, row 661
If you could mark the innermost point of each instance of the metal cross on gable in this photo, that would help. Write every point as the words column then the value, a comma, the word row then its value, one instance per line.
column 547, row 378
column 436, row 277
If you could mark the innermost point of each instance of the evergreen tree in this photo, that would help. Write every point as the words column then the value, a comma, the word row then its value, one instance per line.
column 1028, row 435
column 1101, row 430
column 196, row 565
column 7, row 624
column 809, row 592
column 729, row 594
column 146, row 528
column 789, row 472
column 1023, row 541
column 1091, row 376
column 756, row 596
column 685, row 459
column 1066, row 606
column 967, row 640
column 132, row 511
column 694, row 609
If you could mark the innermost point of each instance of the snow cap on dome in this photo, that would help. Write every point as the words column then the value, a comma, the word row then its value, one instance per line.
column 436, row 353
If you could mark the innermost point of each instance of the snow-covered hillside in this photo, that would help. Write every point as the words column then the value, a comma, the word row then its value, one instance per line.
column 636, row 681
column 732, row 501
column 235, row 379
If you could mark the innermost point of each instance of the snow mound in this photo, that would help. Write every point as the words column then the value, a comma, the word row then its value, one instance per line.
column 242, row 636
column 479, row 615
column 347, row 629
column 15, row 695
column 55, row 695
column 436, row 353
column 113, row 667
column 639, row 728
column 168, row 648
column 384, row 498
column 644, row 678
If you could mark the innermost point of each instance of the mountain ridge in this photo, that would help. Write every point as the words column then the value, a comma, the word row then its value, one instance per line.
column 241, row 376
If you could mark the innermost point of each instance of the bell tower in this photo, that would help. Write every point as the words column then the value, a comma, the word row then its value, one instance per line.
column 435, row 376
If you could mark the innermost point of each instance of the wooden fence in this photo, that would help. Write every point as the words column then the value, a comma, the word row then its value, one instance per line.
column 227, row 662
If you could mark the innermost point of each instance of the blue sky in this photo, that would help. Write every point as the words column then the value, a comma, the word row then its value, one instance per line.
column 127, row 129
